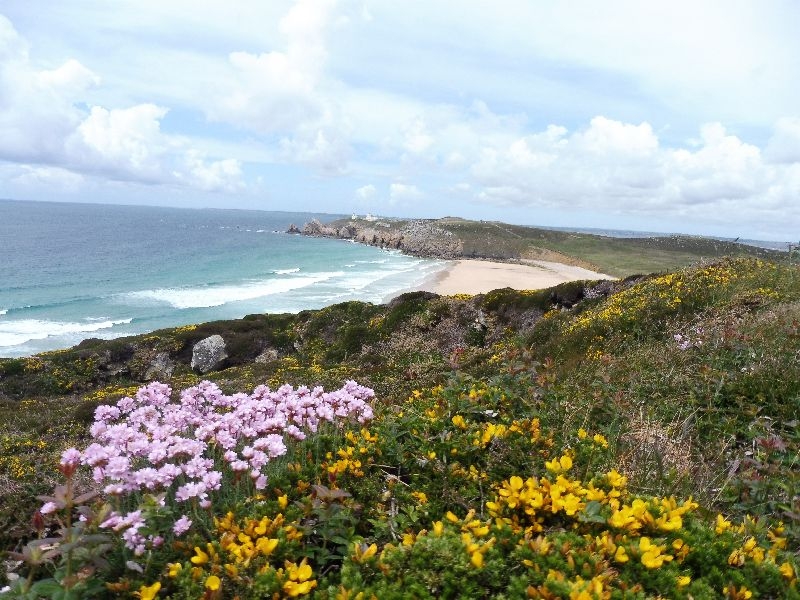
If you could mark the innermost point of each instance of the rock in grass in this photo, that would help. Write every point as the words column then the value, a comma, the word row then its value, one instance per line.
column 267, row 356
column 161, row 367
column 208, row 354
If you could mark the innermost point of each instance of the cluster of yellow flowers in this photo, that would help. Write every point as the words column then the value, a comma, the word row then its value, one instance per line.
column 20, row 455
column 751, row 550
column 243, row 550
column 363, row 445
column 663, row 293
column 111, row 393
column 473, row 533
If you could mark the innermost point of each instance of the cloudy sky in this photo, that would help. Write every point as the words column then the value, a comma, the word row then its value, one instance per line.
column 658, row 116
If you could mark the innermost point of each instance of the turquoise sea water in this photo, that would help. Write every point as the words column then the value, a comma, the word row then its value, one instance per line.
column 73, row 271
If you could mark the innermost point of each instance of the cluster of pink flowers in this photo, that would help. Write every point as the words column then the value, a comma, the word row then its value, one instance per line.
column 685, row 342
column 180, row 451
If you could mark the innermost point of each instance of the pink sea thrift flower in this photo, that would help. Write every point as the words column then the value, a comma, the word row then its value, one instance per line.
column 182, row 525
column 48, row 507
column 150, row 444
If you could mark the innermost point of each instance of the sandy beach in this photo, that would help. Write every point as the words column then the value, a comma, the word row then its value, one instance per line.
column 480, row 276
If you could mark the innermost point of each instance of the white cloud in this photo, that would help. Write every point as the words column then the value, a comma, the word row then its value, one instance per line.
column 417, row 139
column 784, row 145
column 323, row 149
column 36, row 106
column 401, row 193
column 277, row 91
column 71, row 77
column 221, row 175
column 43, row 129
column 47, row 177
column 617, row 167
column 457, row 101
column 366, row 192
column 126, row 142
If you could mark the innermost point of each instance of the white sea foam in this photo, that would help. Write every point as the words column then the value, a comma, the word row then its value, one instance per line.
column 3, row 311
column 206, row 297
column 286, row 271
column 13, row 333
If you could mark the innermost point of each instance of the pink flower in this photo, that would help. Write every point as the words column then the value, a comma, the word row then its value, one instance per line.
column 70, row 459
column 182, row 525
column 48, row 507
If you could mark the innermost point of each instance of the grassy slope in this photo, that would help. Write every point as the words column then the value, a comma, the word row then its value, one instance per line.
column 712, row 414
column 615, row 256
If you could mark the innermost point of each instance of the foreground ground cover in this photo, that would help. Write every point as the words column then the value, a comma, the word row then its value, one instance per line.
column 639, row 444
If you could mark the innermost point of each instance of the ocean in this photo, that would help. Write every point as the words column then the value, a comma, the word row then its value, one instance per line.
column 74, row 271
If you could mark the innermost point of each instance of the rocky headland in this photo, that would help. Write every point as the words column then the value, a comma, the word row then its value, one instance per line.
column 451, row 238
column 416, row 237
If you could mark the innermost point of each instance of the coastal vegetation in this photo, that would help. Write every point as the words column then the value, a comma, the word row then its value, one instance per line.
column 460, row 238
column 628, row 439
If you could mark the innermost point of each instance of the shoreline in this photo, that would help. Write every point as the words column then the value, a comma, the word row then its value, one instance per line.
column 472, row 276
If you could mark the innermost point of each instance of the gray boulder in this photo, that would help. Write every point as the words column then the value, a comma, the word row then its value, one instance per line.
column 266, row 356
column 208, row 354
column 161, row 367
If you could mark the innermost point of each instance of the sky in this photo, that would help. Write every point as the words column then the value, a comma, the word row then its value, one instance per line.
column 678, row 117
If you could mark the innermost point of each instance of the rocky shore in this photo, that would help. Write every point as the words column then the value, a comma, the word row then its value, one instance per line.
column 416, row 237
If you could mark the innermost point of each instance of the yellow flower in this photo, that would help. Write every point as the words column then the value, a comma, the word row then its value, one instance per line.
column 736, row 558
column 559, row 465
column 294, row 589
column 174, row 569
column 266, row 545
column 421, row 497
column 669, row 522
column 148, row 592
column 232, row 571
column 363, row 553
column 615, row 480
column 620, row 556
column 283, row 501
column 600, row 440
column 651, row 554
column 722, row 525
column 476, row 559
column 459, row 422
column 684, row 580
column 786, row 570
column 582, row 433
column 737, row 594
column 213, row 583
column 200, row 558
column 438, row 528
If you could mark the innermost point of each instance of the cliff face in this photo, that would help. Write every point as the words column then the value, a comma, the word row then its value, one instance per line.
column 419, row 238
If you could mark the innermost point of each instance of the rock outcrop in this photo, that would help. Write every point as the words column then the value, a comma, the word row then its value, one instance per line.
column 417, row 237
column 268, row 355
column 209, row 354
column 161, row 367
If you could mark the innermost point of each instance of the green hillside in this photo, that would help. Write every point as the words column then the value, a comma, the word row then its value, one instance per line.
column 631, row 439
column 619, row 257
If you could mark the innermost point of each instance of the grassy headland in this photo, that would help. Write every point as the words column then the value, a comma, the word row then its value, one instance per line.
column 620, row 257
column 632, row 439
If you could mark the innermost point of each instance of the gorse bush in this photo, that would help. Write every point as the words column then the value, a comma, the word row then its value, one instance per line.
column 460, row 492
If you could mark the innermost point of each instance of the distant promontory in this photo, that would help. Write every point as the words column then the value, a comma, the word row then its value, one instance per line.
column 452, row 238
column 416, row 237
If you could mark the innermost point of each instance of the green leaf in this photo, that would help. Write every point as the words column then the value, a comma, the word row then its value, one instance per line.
column 49, row 588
